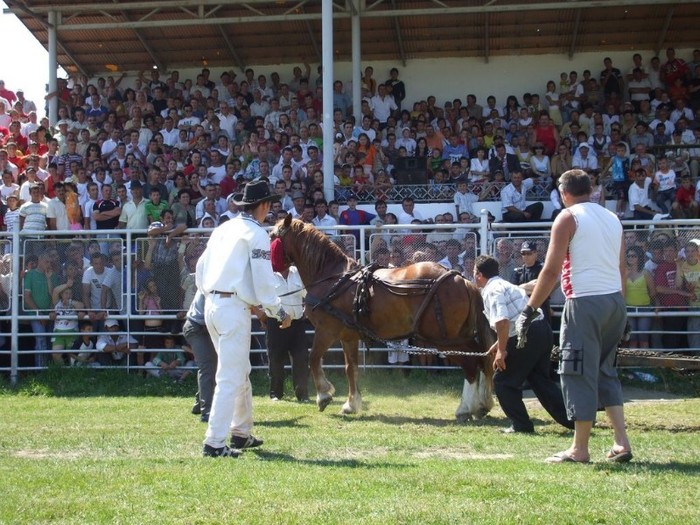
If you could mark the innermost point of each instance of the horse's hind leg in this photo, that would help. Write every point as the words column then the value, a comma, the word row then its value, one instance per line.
column 324, row 388
column 477, row 397
column 354, row 402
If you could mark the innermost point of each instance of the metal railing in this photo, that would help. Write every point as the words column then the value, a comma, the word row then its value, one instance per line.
column 129, row 250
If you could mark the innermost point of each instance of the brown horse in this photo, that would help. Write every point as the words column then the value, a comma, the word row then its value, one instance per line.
column 424, row 302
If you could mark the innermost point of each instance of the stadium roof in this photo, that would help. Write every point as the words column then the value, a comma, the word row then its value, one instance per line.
column 133, row 35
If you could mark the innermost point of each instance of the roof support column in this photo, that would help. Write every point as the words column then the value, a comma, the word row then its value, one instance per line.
column 53, row 66
column 327, row 64
column 356, row 59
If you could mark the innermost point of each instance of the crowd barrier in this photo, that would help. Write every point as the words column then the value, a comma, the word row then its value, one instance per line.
column 136, row 261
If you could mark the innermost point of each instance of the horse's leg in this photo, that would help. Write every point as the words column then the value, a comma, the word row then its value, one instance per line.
column 324, row 388
column 477, row 395
column 354, row 402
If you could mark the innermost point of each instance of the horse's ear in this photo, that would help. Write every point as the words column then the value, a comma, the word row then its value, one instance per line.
column 287, row 220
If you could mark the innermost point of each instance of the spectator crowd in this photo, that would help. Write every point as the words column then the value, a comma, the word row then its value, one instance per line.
column 166, row 154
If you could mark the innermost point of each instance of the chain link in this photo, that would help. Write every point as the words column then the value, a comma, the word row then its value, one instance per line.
column 417, row 350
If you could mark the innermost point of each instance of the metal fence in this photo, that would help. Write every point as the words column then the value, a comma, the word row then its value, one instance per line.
column 58, row 292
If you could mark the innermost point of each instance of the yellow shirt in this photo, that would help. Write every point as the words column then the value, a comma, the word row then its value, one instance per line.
column 691, row 275
column 637, row 292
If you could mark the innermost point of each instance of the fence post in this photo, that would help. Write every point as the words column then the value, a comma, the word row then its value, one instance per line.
column 14, row 308
column 484, row 232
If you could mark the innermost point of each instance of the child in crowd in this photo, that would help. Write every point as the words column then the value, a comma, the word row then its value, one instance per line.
column 83, row 347
column 11, row 219
column 361, row 181
column 435, row 160
column 463, row 199
column 155, row 206
column 618, row 167
column 685, row 206
column 170, row 360
column 665, row 186
column 66, row 314
column 564, row 83
column 150, row 304
column 382, row 186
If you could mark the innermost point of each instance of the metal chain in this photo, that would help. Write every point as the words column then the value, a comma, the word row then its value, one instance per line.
column 417, row 350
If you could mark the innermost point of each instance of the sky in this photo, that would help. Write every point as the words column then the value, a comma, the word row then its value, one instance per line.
column 33, row 75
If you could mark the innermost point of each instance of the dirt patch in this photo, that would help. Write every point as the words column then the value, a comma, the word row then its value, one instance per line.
column 458, row 454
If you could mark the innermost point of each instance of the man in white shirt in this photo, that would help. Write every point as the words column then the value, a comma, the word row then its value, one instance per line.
column 513, row 201
column 169, row 132
column 56, row 214
column 322, row 218
column 237, row 250
column 638, row 197
column 227, row 120
column 133, row 216
column 503, row 302
column 383, row 105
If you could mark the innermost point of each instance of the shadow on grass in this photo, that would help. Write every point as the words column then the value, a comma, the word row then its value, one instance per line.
column 652, row 466
column 265, row 455
column 282, row 423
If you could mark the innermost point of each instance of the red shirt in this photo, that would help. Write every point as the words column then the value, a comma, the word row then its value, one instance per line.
column 685, row 196
column 228, row 185
column 665, row 275
column 8, row 95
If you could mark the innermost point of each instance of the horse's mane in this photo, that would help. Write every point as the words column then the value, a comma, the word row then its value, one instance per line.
column 317, row 252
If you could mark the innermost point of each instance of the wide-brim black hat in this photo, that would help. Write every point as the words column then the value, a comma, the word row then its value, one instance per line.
column 255, row 193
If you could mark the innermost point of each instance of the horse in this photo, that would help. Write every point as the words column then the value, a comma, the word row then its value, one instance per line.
column 432, row 306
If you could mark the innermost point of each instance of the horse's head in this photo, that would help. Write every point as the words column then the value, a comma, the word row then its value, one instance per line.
column 281, row 228
column 283, row 237
column 309, row 249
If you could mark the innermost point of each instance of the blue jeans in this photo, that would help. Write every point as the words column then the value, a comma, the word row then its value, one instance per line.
column 664, row 199
column 40, row 342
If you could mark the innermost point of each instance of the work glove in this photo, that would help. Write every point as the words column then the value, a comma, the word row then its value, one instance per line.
column 522, row 324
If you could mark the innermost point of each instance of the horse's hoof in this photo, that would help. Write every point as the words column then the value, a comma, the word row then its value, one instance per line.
column 481, row 413
column 347, row 409
column 463, row 418
column 323, row 402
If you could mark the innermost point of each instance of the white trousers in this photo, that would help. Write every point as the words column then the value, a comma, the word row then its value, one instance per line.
column 228, row 323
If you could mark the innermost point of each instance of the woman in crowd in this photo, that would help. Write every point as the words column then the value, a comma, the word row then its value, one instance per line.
column 639, row 297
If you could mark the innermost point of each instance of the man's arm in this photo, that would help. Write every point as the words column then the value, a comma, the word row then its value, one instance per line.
column 563, row 230
column 86, row 294
column 623, row 267
column 502, row 330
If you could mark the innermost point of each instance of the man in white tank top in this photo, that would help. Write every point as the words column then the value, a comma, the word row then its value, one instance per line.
column 587, row 248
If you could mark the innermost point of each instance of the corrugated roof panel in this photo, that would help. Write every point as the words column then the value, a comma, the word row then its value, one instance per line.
column 601, row 29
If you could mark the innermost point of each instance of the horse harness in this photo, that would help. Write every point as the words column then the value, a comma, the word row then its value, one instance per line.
column 364, row 278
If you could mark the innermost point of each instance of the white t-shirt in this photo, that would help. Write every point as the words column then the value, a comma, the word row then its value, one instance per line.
column 464, row 201
column 96, row 281
column 640, row 196
column 666, row 181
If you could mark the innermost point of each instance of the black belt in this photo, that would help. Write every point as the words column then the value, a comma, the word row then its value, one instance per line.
column 224, row 294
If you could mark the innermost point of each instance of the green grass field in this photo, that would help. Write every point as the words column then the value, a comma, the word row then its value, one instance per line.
column 101, row 447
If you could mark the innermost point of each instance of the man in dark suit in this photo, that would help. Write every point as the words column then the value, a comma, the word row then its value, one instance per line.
column 505, row 162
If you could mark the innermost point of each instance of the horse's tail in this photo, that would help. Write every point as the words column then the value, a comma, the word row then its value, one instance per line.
column 484, row 333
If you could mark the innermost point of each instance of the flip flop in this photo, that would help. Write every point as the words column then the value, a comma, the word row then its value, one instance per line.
column 564, row 457
column 624, row 456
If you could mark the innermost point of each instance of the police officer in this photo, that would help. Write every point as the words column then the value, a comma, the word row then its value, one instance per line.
column 526, row 275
